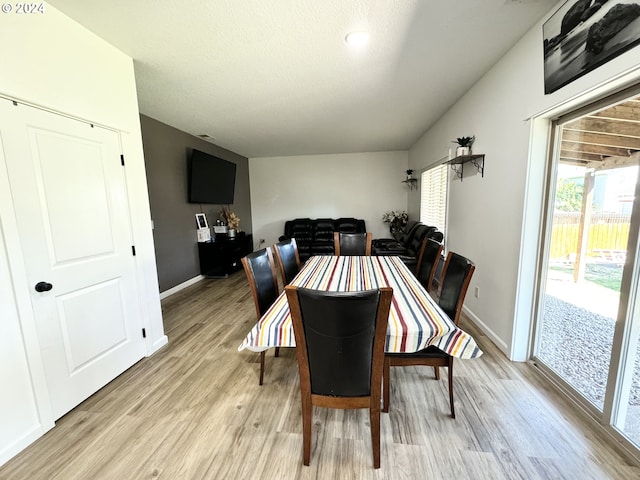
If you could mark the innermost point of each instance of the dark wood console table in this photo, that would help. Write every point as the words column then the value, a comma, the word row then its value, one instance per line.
column 221, row 256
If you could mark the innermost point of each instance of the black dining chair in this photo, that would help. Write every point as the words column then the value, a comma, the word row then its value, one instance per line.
column 352, row 244
column 263, row 282
column 340, row 339
column 456, row 276
column 427, row 264
column 286, row 253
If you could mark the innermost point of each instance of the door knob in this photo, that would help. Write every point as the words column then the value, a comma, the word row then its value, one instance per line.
column 43, row 287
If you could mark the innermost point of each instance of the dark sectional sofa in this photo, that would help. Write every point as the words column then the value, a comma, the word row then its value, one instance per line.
column 407, row 243
column 315, row 237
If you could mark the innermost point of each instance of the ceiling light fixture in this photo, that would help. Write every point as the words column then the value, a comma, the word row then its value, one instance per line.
column 357, row 39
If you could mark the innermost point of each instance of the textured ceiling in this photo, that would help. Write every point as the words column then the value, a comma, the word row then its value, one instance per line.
column 275, row 77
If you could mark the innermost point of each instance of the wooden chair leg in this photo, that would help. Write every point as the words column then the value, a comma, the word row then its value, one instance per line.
column 307, row 414
column 374, row 421
column 386, row 384
column 453, row 412
column 261, row 367
column 277, row 353
column 436, row 371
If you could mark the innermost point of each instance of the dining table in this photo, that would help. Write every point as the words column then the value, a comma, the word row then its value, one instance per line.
column 416, row 321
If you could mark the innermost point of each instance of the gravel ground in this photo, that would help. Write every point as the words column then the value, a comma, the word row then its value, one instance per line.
column 576, row 343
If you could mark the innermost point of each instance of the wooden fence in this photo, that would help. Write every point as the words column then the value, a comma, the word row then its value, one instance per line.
column 608, row 233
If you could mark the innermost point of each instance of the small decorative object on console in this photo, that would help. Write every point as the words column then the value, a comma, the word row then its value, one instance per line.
column 204, row 233
column 201, row 220
column 230, row 218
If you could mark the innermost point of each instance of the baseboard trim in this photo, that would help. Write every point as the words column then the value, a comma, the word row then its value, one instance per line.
column 158, row 344
column 181, row 286
column 502, row 346
column 21, row 443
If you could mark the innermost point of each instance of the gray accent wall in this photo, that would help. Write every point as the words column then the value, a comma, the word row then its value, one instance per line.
column 166, row 150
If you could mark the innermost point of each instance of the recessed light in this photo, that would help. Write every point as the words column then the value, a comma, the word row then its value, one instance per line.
column 357, row 39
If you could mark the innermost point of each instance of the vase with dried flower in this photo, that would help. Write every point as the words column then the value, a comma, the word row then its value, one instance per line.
column 232, row 220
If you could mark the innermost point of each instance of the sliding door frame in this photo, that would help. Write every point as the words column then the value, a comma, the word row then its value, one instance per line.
column 626, row 334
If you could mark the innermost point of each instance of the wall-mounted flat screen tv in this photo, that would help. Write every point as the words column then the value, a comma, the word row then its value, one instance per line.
column 211, row 179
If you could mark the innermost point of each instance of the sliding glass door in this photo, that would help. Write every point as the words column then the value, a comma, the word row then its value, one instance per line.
column 587, row 329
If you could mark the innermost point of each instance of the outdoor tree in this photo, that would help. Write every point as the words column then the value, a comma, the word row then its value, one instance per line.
column 568, row 196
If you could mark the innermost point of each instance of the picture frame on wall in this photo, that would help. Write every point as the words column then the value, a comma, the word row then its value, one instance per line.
column 201, row 220
column 585, row 34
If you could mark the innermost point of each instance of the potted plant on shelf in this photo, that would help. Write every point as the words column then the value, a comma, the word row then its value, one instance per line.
column 409, row 174
column 464, row 145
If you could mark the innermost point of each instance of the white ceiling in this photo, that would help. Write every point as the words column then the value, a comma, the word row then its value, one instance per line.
column 275, row 77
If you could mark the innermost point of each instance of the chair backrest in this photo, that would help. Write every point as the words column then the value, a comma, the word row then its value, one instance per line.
column 428, row 261
column 340, row 339
column 353, row 244
column 261, row 274
column 286, row 254
column 456, row 276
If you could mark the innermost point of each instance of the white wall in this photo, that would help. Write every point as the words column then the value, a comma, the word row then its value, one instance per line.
column 51, row 61
column 360, row 185
column 494, row 220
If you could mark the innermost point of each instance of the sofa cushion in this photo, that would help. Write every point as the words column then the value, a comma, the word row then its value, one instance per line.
column 300, row 229
column 322, row 243
column 350, row 225
column 323, row 229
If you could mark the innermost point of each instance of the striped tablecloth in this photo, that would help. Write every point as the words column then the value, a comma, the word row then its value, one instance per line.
column 415, row 319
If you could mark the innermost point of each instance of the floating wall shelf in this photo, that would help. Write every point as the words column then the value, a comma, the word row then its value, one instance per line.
column 457, row 164
column 412, row 182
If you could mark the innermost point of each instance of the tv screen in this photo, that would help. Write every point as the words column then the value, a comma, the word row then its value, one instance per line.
column 212, row 180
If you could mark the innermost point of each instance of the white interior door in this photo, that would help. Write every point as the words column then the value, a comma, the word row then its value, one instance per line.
column 69, row 193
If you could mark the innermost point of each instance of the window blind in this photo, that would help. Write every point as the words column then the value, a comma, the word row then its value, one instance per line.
column 433, row 197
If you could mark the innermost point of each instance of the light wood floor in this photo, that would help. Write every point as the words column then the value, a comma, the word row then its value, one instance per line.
column 194, row 410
